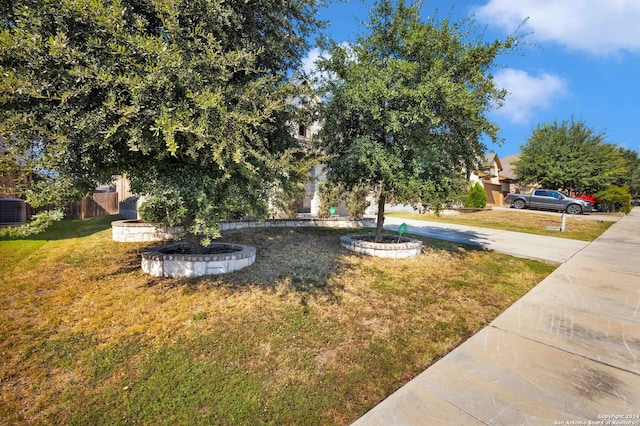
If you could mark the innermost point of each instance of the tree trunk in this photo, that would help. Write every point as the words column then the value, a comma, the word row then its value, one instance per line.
column 380, row 222
column 194, row 240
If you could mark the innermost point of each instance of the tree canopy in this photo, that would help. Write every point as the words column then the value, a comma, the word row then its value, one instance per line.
column 571, row 156
column 406, row 105
column 191, row 99
column 631, row 179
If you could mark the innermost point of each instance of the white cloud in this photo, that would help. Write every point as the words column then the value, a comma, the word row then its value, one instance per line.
column 308, row 62
column 596, row 26
column 527, row 92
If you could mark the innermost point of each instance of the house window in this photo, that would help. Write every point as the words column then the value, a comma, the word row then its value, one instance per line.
column 302, row 131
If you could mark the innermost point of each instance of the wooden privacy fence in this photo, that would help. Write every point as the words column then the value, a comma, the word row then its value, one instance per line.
column 99, row 204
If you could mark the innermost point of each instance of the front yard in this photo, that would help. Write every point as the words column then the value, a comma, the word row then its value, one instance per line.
column 310, row 334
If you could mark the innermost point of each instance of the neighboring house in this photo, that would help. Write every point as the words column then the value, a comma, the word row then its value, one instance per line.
column 493, row 178
column 508, row 171
column 498, row 178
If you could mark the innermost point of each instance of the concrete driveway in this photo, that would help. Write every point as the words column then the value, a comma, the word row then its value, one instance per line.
column 546, row 249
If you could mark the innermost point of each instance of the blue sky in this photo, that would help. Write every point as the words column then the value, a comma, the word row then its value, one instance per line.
column 585, row 64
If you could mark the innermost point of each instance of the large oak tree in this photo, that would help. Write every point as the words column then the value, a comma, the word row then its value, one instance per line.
column 191, row 99
column 405, row 106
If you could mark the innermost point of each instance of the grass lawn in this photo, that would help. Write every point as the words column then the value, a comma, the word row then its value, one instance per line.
column 309, row 334
column 577, row 228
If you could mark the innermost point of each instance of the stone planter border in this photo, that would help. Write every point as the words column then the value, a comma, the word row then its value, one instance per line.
column 157, row 263
column 408, row 247
column 332, row 222
column 132, row 230
column 136, row 231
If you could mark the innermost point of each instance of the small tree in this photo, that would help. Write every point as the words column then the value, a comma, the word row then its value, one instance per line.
column 615, row 198
column 406, row 105
column 476, row 197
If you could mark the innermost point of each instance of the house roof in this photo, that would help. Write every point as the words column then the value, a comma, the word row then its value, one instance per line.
column 508, row 169
column 490, row 158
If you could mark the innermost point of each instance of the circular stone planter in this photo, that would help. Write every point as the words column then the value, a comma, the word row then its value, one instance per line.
column 406, row 247
column 165, row 262
column 135, row 231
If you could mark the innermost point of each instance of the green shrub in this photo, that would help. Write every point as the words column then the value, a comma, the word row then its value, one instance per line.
column 164, row 209
column 615, row 198
column 476, row 197
column 357, row 202
column 291, row 208
column 286, row 202
column 329, row 197
column 292, row 201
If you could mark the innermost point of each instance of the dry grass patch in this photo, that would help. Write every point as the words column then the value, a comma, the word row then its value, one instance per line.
column 311, row 333
column 577, row 227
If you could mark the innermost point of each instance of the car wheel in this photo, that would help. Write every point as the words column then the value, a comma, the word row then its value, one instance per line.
column 574, row 209
column 519, row 204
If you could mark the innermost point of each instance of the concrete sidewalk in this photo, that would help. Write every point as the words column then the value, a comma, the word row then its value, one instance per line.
column 537, row 247
column 568, row 352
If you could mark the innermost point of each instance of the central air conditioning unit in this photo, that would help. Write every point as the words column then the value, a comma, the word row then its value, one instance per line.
column 13, row 212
